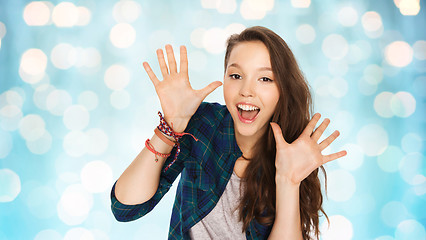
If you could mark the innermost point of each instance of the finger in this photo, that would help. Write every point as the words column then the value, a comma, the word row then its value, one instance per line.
column 209, row 88
column 311, row 125
column 329, row 140
column 171, row 59
column 162, row 62
column 183, row 60
column 151, row 74
column 320, row 130
column 334, row 156
column 278, row 135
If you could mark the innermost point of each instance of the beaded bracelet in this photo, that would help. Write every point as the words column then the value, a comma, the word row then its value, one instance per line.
column 167, row 130
column 151, row 148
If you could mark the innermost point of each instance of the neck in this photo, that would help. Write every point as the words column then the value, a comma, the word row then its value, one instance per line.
column 246, row 144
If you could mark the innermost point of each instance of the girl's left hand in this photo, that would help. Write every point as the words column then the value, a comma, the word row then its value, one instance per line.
column 295, row 161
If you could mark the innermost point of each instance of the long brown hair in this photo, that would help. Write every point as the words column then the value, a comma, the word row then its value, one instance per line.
column 293, row 112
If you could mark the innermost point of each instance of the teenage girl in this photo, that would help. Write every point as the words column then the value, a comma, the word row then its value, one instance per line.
column 249, row 170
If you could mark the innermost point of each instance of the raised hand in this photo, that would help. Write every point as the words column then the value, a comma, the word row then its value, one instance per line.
column 295, row 161
column 178, row 100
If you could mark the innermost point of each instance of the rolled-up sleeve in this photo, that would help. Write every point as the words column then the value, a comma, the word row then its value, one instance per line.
column 125, row 213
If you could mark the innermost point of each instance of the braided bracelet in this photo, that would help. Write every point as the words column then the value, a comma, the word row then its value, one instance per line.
column 167, row 130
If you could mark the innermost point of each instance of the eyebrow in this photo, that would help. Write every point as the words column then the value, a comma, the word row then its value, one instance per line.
column 261, row 68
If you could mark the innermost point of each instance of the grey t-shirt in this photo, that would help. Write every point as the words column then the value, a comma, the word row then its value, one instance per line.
column 222, row 222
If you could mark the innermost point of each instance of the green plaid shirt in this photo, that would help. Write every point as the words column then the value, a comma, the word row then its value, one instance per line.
column 206, row 166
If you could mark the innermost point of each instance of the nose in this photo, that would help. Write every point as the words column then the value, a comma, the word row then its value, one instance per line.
column 247, row 88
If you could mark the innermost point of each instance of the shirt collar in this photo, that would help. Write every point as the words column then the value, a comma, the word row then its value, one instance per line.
column 228, row 136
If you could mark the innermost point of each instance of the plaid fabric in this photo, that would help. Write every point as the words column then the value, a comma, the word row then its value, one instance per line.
column 206, row 166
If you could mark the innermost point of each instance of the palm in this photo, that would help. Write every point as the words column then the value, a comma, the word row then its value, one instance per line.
column 297, row 160
column 178, row 100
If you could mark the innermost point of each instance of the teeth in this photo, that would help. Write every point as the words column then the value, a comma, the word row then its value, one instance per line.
column 247, row 107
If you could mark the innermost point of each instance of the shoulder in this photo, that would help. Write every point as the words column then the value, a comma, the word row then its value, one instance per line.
column 210, row 114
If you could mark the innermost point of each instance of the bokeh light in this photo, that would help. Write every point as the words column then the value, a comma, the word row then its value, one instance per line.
column 372, row 24
column 227, row 6
column 355, row 157
column 58, row 101
column 403, row 104
column 63, row 56
column 341, row 185
column 410, row 229
column 98, row 141
column 393, row 213
column 84, row 16
column 335, row 47
column 76, row 143
column 117, row 77
column 348, row 16
column 32, row 127
column 382, row 104
column 338, row 67
column 305, row 33
column 120, row 99
column 33, row 63
column 122, row 35
column 399, row 54
column 48, row 234
column 79, row 233
column 65, row 14
column 373, row 139
column 2, row 30
column 419, row 50
column 409, row 7
column 11, row 115
column 6, row 144
column 411, row 142
column 339, row 228
column 41, row 145
column 197, row 36
column 214, row 40
column 74, row 205
column 11, row 185
column 255, row 9
column 301, row 3
column 126, row 11
column 390, row 159
column 96, row 176
column 37, row 13
column 89, row 100
column 76, row 117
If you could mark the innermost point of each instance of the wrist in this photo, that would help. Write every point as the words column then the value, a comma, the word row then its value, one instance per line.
column 285, row 181
column 178, row 125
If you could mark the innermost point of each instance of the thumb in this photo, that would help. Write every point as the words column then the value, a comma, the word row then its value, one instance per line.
column 278, row 135
column 209, row 88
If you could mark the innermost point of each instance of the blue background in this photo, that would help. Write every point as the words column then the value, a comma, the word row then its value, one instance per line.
column 76, row 106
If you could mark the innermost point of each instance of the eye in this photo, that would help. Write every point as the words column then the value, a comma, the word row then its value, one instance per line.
column 266, row 79
column 235, row 76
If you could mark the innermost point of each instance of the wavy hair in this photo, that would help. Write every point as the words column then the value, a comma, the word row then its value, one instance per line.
column 292, row 113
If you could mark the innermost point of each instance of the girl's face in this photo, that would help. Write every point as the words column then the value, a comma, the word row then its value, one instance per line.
column 250, row 90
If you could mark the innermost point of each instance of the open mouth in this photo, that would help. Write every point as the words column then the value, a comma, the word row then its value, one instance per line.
column 247, row 113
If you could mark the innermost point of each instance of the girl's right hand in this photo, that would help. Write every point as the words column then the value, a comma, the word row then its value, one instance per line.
column 178, row 100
